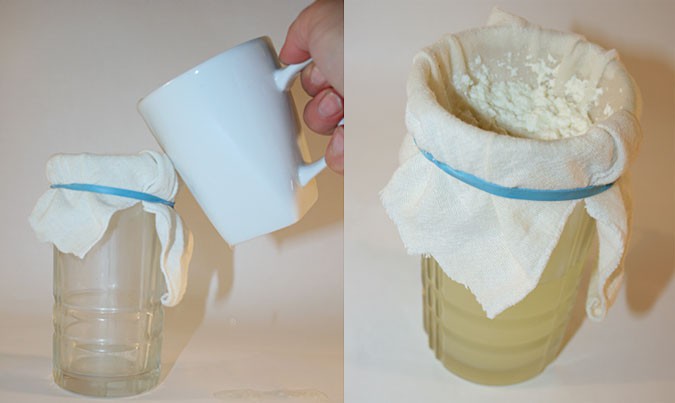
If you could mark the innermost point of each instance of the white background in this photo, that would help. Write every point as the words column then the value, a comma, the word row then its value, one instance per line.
column 265, row 316
column 630, row 356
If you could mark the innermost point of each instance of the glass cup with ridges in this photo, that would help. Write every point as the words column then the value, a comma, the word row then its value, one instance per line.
column 107, row 311
column 521, row 341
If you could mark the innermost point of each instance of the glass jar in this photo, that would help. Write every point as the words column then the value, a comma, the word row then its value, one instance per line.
column 107, row 311
column 521, row 341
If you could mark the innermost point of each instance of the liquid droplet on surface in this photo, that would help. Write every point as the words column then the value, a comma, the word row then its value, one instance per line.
column 277, row 395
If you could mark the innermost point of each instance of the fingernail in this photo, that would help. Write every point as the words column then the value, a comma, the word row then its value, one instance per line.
column 330, row 105
column 336, row 146
column 335, row 151
column 316, row 77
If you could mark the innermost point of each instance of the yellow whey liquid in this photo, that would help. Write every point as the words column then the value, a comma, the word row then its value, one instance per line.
column 521, row 341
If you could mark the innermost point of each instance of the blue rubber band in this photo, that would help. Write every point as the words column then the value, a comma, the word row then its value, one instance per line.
column 517, row 193
column 131, row 194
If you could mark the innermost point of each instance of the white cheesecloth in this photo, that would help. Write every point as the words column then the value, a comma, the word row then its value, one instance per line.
column 74, row 221
column 496, row 246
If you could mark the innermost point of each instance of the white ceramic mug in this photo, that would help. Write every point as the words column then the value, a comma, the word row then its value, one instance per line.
column 231, row 129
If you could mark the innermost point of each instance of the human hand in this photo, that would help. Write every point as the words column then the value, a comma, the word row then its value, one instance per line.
column 318, row 33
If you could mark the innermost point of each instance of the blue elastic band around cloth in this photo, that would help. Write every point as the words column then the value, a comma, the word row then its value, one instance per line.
column 517, row 193
column 130, row 194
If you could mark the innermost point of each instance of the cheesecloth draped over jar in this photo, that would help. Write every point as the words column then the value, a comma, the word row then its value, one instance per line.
column 87, row 190
column 461, row 162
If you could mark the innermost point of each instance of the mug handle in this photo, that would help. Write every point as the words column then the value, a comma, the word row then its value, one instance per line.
column 283, row 78
column 308, row 171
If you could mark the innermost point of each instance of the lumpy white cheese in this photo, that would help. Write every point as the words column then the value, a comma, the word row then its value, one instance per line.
column 542, row 108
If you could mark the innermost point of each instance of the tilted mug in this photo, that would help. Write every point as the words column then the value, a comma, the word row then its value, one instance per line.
column 231, row 129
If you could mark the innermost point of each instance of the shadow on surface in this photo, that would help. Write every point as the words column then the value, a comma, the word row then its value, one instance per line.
column 649, row 269
column 212, row 257
column 650, row 261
